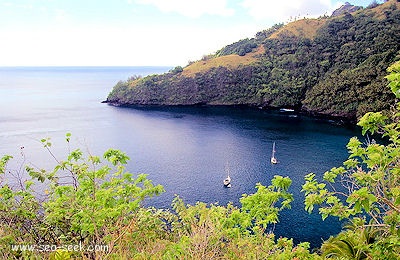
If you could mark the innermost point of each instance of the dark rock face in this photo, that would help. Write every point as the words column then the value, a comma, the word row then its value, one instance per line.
column 346, row 8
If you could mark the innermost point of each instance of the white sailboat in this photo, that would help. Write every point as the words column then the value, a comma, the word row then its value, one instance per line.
column 273, row 158
column 227, row 180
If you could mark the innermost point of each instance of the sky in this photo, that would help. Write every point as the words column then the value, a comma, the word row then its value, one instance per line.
column 137, row 32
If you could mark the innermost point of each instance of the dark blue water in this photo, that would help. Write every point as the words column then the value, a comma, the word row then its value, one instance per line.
column 186, row 149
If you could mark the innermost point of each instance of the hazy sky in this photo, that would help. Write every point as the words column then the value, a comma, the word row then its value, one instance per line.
column 137, row 32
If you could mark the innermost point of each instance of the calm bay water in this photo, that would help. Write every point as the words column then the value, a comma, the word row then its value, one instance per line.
column 186, row 149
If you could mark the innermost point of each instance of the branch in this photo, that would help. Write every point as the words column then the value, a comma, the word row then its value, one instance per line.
column 390, row 204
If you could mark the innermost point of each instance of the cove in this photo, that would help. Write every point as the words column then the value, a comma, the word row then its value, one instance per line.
column 185, row 149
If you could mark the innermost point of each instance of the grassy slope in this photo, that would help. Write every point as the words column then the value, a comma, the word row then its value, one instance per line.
column 230, row 61
column 305, row 28
column 378, row 11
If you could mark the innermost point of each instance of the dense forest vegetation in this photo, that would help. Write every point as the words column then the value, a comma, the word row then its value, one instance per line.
column 330, row 65
column 93, row 209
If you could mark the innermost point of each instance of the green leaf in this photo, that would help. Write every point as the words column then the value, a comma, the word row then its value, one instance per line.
column 75, row 155
column 60, row 255
column 394, row 78
column 372, row 122
column 68, row 137
column 281, row 182
column 3, row 162
column 116, row 157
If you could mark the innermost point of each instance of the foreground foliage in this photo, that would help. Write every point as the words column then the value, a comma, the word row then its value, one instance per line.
column 88, row 203
column 370, row 188
column 85, row 202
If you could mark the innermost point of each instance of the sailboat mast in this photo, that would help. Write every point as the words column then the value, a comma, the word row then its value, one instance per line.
column 273, row 150
column 273, row 159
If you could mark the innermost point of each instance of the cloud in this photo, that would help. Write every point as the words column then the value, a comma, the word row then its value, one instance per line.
column 191, row 8
column 89, row 45
column 281, row 11
column 61, row 16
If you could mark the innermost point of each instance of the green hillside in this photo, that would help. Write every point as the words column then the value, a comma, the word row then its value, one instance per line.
column 331, row 65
